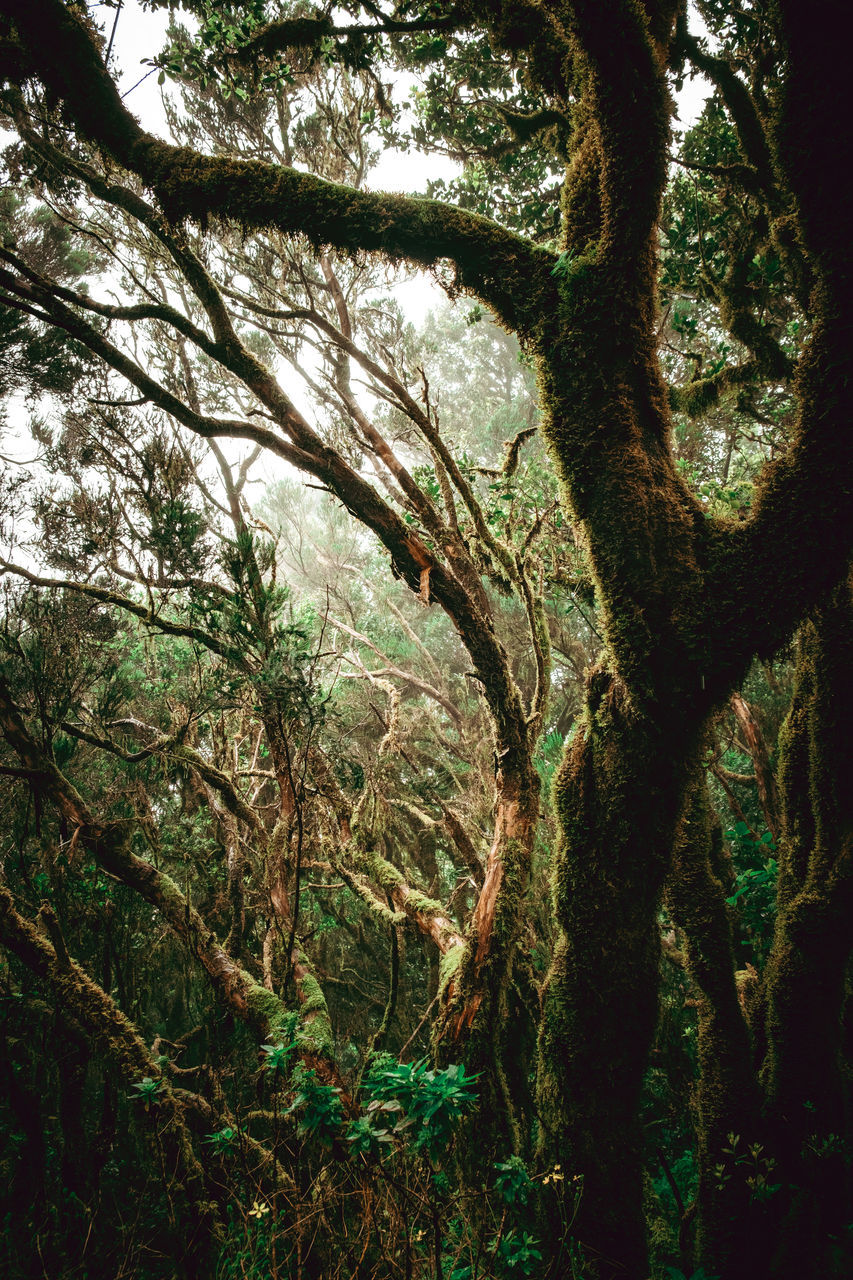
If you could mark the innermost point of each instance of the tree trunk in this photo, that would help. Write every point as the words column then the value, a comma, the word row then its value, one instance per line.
column 807, row 1091
column 727, row 1091
column 480, row 1021
column 765, row 779
column 619, row 796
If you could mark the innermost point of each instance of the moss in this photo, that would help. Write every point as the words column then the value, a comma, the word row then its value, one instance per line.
column 448, row 966
column 265, row 1010
column 375, row 904
column 314, row 1012
column 421, row 902
column 389, row 878
column 618, row 796
column 805, row 979
column 727, row 1093
column 697, row 397
column 506, row 271
column 278, row 841
column 663, row 1244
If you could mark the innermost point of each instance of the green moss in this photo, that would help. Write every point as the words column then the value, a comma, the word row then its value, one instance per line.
column 727, row 1094
column 696, row 398
column 448, row 966
column 265, row 1010
column 375, row 904
column 420, row 902
column 506, row 271
column 174, row 899
column 278, row 840
column 314, row 1012
column 805, row 979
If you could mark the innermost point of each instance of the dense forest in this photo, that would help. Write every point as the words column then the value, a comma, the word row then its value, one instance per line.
column 426, row 769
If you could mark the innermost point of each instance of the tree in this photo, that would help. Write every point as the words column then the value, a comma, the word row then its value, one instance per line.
column 687, row 597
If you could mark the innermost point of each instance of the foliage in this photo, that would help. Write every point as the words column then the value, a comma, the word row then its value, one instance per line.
column 313, row 794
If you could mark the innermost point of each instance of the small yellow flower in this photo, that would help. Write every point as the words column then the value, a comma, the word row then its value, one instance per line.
column 258, row 1209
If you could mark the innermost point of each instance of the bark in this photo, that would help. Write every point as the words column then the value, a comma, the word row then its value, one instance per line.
column 478, row 1017
column 236, row 865
column 475, row 977
column 619, row 799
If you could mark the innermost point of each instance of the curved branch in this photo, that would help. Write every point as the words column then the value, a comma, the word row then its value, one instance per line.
column 307, row 33
column 171, row 746
column 117, row 601
column 509, row 274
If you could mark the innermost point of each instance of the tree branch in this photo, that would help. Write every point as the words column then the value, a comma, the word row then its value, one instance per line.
column 511, row 275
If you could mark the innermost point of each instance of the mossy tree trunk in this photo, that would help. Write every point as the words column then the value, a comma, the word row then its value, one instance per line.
column 620, row 791
column 728, row 1241
column 619, row 799
column 686, row 601
column 806, row 1084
